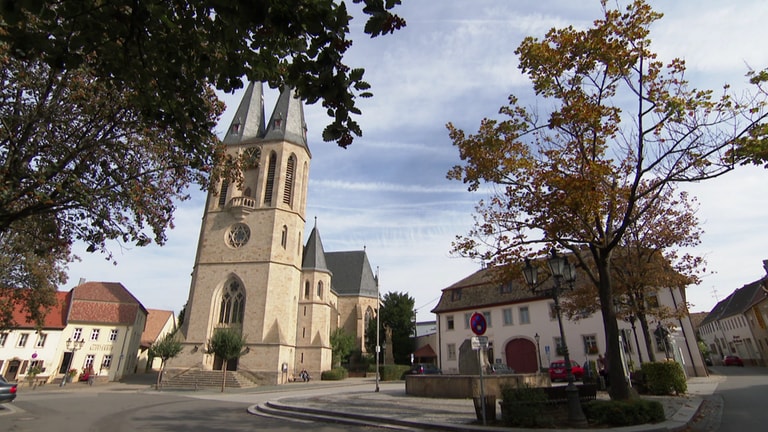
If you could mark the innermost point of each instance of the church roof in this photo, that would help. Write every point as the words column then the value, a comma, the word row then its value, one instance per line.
column 352, row 274
column 286, row 123
column 248, row 122
column 314, row 254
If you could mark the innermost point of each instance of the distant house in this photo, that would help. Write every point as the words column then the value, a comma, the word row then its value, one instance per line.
column 523, row 332
column 96, row 325
column 25, row 346
column 159, row 324
column 737, row 325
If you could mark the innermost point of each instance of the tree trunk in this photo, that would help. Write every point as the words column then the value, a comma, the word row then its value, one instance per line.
column 224, row 374
column 618, row 385
column 160, row 374
column 647, row 336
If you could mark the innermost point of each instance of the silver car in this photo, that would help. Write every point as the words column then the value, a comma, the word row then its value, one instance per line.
column 7, row 390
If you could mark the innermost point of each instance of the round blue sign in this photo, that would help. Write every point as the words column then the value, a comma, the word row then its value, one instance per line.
column 478, row 324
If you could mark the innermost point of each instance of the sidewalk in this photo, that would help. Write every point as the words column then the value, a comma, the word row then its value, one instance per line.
column 391, row 407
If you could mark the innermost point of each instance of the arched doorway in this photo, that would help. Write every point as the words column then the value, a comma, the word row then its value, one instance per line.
column 521, row 355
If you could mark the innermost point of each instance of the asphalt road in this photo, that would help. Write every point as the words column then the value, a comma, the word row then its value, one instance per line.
column 114, row 410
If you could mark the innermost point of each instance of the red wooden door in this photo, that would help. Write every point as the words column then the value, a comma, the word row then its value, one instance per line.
column 521, row 356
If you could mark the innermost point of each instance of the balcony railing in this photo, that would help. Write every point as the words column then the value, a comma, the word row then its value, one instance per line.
column 241, row 206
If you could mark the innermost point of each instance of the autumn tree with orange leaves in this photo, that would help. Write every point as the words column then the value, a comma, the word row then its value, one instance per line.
column 623, row 129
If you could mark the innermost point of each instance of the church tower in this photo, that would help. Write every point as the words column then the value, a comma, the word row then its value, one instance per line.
column 248, row 268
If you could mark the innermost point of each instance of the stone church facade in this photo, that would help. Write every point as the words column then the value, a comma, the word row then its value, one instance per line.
column 252, row 270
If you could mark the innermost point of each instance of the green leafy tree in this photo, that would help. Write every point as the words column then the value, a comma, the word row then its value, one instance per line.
column 166, row 54
column 166, row 348
column 109, row 109
column 32, row 265
column 226, row 343
column 577, row 176
column 397, row 313
column 342, row 344
column 370, row 336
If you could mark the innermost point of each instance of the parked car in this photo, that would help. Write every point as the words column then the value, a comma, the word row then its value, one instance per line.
column 7, row 390
column 557, row 371
column 423, row 369
column 732, row 360
column 500, row 369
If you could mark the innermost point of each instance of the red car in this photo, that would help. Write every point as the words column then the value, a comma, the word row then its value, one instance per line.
column 557, row 371
column 733, row 360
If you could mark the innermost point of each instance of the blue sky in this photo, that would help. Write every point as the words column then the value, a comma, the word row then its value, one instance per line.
column 455, row 62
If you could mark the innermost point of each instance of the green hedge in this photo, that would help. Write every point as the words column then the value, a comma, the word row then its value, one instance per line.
column 623, row 413
column 662, row 378
column 335, row 374
column 393, row 372
column 523, row 406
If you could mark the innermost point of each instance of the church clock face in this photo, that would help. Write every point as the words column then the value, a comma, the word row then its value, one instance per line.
column 238, row 235
column 251, row 157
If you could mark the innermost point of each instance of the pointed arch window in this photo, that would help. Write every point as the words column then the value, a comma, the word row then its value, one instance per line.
column 290, row 172
column 320, row 289
column 271, row 168
column 232, row 307
column 306, row 290
column 223, row 193
column 284, row 237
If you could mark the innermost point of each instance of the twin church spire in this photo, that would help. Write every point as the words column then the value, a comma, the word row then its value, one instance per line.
column 285, row 124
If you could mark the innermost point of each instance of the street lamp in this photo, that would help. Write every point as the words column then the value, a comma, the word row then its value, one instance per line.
column 378, row 347
column 561, row 270
column 73, row 345
column 538, row 349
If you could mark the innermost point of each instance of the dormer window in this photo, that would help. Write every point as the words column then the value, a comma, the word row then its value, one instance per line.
column 236, row 128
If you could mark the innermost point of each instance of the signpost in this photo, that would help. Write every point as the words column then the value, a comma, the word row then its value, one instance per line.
column 479, row 325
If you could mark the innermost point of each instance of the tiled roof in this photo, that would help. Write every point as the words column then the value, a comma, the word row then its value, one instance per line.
column 482, row 289
column 738, row 302
column 156, row 321
column 104, row 302
column 55, row 318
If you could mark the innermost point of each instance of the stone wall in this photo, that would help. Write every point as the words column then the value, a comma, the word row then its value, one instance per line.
column 468, row 386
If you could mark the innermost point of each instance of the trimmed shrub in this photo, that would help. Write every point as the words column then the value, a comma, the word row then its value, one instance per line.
column 663, row 378
column 335, row 374
column 393, row 372
column 523, row 406
column 623, row 413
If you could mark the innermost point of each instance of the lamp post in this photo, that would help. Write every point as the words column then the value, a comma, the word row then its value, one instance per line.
column 378, row 348
column 73, row 345
column 538, row 350
column 561, row 270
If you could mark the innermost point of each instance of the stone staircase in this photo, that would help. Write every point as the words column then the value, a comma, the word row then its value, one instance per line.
column 197, row 378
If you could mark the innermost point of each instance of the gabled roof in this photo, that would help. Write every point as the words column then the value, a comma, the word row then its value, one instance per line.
column 156, row 322
column 104, row 302
column 352, row 274
column 482, row 289
column 55, row 318
column 738, row 302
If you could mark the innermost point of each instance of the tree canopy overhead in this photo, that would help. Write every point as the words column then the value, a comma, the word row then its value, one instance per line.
column 622, row 130
column 108, row 108
column 168, row 52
